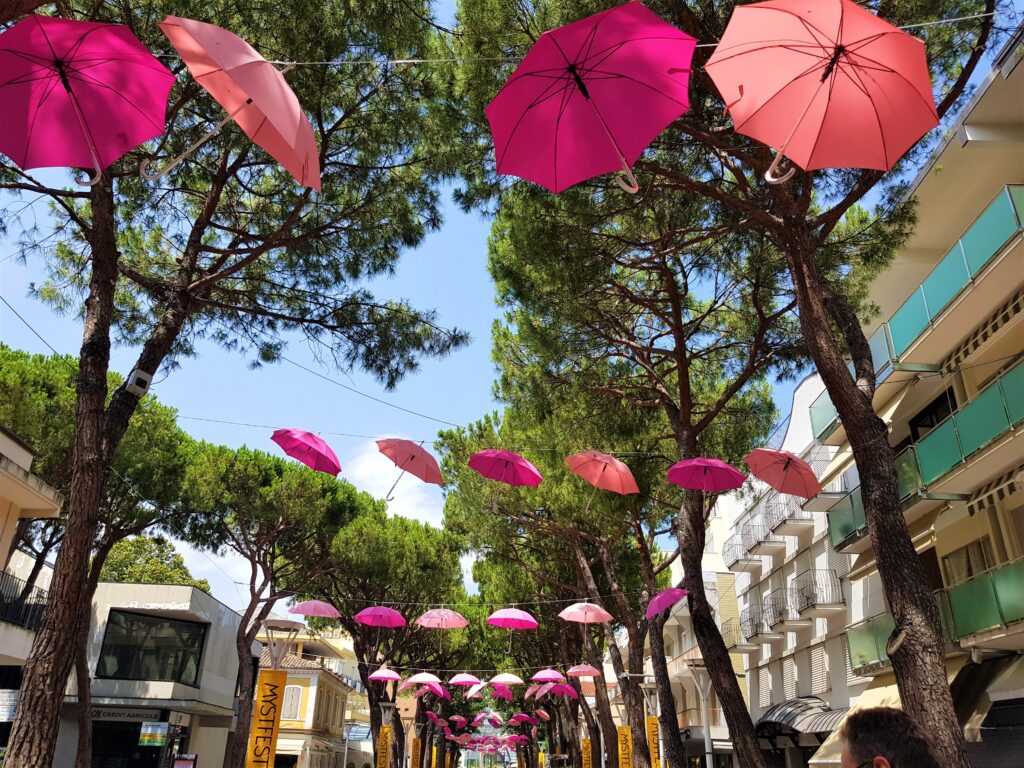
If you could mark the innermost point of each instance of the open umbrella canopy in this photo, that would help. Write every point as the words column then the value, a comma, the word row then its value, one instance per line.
column 441, row 618
column 252, row 91
column 385, row 675
column 603, row 471
column 307, row 448
column 827, row 82
column 506, row 678
column 464, row 678
column 315, row 608
column 544, row 689
column 703, row 474
column 548, row 676
column 77, row 94
column 664, row 599
column 424, row 677
column 784, row 471
column 585, row 613
column 512, row 618
column 505, row 467
column 380, row 616
column 564, row 689
column 583, row 670
column 411, row 458
column 590, row 97
column 542, row 715
column 476, row 691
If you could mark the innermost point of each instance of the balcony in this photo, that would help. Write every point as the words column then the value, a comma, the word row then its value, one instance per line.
column 20, row 604
column 785, row 517
column 736, row 556
column 817, row 594
column 990, row 603
column 754, row 626
column 867, row 641
column 760, row 540
column 780, row 614
column 847, row 526
column 734, row 641
column 341, row 667
column 682, row 666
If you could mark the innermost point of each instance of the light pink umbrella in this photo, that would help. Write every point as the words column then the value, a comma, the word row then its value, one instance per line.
column 404, row 685
column 703, row 474
column 380, row 616
column 512, row 618
column 424, row 677
column 783, row 471
column 441, row 618
column 315, row 608
column 530, row 691
column 542, row 715
column 664, row 599
column 385, row 675
column 590, row 96
column 252, row 91
column 412, row 458
column 464, row 678
column 548, row 676
column 475, row 691
column 505, row 467
column 583, row 670
column 506, row 678
column 307, row 448
column 544, row 689
column 603, row 471
column 479, row 718
column 586, row 613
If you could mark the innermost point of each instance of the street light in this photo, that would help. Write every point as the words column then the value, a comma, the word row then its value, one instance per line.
column 281, row 633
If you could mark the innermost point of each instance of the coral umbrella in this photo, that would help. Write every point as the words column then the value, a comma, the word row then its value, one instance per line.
column 583, row 670
column 783, row 471
column 501, row 691
column 542, row 715
column 385, row 675
column 708, row 475
column 77, row 94
column 548, row 676
column 307, row 448
column 586, row 613
column 464, row 678
column 380, row 616
column 412, row 458
column 506, row 678
column 505, row 467
column 315, row 608
column 603, row 471
column 441, row 618
column 664, row 599
column 826, row 81
column 252, row 91
column 590, row 97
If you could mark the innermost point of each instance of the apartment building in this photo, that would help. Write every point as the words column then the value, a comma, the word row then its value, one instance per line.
column 948, row 345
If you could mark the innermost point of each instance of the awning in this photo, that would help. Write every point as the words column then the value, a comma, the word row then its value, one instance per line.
column 994, row 491
column 806, row 714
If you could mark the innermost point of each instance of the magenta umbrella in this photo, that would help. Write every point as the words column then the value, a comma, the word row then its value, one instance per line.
column 501, row 691
column 586, row 613
column 505, row 467
column 783, row 471
column 78, row 94
column 548, row 676
column 512, row 618
column 309, row 449
column 564, row 689
column 315, row 608
column 590, row 97
column 664, row 599
column 385, row 675
column 380, row 616
column 583, row 670
column 708, row 475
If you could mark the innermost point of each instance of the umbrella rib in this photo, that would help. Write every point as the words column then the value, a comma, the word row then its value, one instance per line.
column 880, row 67
column 88, row 80
column 619, row 75
column 802, row 75
column 537, row 102
column 813, row 50
column 874, row 108
column 35, row 115
column 613, row 48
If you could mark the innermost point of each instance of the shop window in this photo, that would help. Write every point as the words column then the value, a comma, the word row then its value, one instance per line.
column 290, row 707
column 139, row 646
column 967, row 562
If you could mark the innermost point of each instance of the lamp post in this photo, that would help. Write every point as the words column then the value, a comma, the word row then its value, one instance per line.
column 407, row 720
column 387, row 711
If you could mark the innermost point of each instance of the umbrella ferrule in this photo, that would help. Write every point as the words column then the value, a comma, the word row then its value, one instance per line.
column 63, row 73
column 579, row 81
column 839, row 51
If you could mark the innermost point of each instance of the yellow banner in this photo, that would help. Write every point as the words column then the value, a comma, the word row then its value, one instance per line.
column 652, row 741
column 266, row 718
column 587, row 750
column 625, row 737
column 540, row 759
column 433, row 762
column 417, row 753
column 383, row 746
column 447, row 758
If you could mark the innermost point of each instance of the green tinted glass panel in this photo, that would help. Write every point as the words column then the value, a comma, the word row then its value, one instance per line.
column 908, row 323
column 981, row 420
column 863, row 649
column 974, row 607
column 938, row 452
column 879, row 344
column 988, row 234
column 1008, row 583
column 823, row 416
column 1012, row 385
column 945, row 281
column 882, row 626
column 1017, row 193
column 906, row 468
column 945, row 617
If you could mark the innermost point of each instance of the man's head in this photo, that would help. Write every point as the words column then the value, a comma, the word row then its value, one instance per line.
column 884, row 738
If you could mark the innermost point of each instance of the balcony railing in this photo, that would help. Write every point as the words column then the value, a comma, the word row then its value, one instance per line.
column 752, row 621
column 20, row 604
column 867, row 640
column 776, row 607
column 846, row 520
column 342, row 668
column 757, row 536
column 731, row 633
column 694, row 718
column 812, row 589
column 732, row 550
column 783, row 508
column 991, row 413
column 819, row 458
column 988, row 601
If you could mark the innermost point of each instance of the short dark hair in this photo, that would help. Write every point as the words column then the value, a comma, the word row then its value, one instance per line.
column 889, row 733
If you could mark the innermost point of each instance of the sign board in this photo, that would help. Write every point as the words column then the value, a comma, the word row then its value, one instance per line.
column 417, row 753
column 153, row 734
column 383, row 746
column 540, row 759
column 125, row 715
column 179, row 718
column 266, row 718
column 587, row 750
column 625, row 738
column 652, row 741
column 8, row 704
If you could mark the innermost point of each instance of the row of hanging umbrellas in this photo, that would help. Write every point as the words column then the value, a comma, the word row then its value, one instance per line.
column 446, row 618
column 826, row 82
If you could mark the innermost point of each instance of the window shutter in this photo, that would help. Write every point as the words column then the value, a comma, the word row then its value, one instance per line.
column 789, row 678
column 819, row 669
column 290, row 707
column 764, row 688
column 838, row 562
column 851, row 679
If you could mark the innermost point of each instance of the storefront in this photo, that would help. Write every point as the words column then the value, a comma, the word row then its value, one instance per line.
column 140, row 738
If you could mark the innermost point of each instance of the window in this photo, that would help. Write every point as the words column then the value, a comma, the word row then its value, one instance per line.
column 967, row 562
column 290, row 707
column 139, row 646
column 925, row 420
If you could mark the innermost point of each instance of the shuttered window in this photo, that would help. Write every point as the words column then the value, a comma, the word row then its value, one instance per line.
column 851, row 679
column 838, row 563
column 764, row 688
column 819, row 669
column 789, row 678
column 290, row 707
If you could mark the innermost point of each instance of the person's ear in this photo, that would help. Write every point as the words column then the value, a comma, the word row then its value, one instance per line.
column 881, row 762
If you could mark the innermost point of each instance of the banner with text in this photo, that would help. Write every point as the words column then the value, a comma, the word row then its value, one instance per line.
column 383, row 746
column 587, row 750
column 417, row 753
column 625, row 736
column 266, row 719
column 652, row 740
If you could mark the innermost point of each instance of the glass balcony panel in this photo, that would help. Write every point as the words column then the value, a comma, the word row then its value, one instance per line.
column 1008, row 584
column 1017, row 193
column 1012, row 385
column 908, row 323
column 882, row 626
column 989, row 233
column 880, row 354
column 938, row 452
column 981, row 420
column 909, row 474
column 974, row 606
column 945, row 281
column 846, row 518
column 823, row 415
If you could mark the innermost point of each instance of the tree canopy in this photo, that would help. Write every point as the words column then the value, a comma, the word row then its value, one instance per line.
column 148, row 560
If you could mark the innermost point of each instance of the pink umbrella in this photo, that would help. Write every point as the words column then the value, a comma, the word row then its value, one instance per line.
column 385, row 675
column 664, row 599
column 77, row 94
column 586, row 613
column 783, row 471
column 424, row 677
column 501, row 691
column 530, row 691
column 590, row 96
column 475, row 691
column 603, row 471
column 544, row 689
column 423, row 691
column 512, row 618
column 404, row 685
column 708, row 475
column 458, row 721
column 307, row 448
column 496, row 719
column 542, row 715
column 827, row 82
column 479, row 718
column 506, row 678
column 315, row 608
column 412, row 458
column 441, row 618
column 505, row 467
column 548, row 676
column 464, row 678
column 564, row 689
column 439, row 690
column 583, row 670
column 380, row 616
column 252, row 91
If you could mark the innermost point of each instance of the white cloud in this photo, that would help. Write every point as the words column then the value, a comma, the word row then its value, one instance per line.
column 371, row 471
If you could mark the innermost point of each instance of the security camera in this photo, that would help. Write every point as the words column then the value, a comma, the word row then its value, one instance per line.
column 138, row 382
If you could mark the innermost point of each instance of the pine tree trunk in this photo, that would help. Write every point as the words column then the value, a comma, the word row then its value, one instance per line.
column 675, row 753
column 238, row 739
column 84, row 702
column 919, row 662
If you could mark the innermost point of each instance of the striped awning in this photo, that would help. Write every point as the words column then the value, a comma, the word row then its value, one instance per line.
column 994, row 491
column 1010, row 308
column 806, row 714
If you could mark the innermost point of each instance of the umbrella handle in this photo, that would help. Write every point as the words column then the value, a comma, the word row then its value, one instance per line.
column 770, row 176
column 388, row 496
column 86, row 181
column 627, row 181
column 144, row 171
column 89, row 181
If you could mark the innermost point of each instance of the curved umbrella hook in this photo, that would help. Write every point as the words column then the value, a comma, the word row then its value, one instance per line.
column 89, row 181
column 770, row 176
